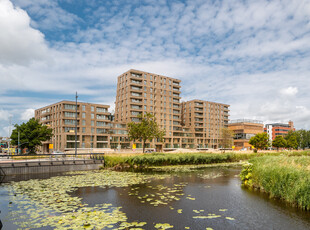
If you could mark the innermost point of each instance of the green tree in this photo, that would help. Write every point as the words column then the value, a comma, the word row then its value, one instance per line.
column 32, row 133
column 291, row 140
column 146, row 129
column 303, row 138
column 226, row 140
column 260, row 141
column 279, row 142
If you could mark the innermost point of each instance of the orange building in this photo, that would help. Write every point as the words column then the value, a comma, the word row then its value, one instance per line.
column 244, row 129
column 278, row 129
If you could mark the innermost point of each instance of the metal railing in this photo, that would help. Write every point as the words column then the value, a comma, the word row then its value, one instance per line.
column 10, row 158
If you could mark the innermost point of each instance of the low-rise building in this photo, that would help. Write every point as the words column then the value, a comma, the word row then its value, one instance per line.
column 243, row 130
column 278, row 129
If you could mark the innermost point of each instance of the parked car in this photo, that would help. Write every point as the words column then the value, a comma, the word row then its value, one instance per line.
column 58, row 152
column 150, row 150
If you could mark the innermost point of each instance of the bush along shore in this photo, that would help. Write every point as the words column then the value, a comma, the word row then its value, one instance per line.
column 285, row 176
column 164, row 159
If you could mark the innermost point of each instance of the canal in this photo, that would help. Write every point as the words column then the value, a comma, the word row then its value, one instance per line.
column 186, row 197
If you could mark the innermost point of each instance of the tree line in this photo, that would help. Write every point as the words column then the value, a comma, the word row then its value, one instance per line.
column 299, row 139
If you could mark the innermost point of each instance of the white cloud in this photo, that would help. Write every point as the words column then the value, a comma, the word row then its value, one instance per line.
column 290, row 91
column 19, row 43
column 27, row 114
column 4, row 115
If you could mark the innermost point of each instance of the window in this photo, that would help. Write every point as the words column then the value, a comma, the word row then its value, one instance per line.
column 100, row 131
column 69, row 114
column 69, row 122
column 83, row 107
column 70, row 107
column 101, row 110
column 83, row 122
column 92, row 130
column 144, row 82
column 101, row 123
column 92, row 116
column 145, row 107
column 145, row 101
column 92, row 123
column 100, row 116
column 83, row 130
column 83, row 115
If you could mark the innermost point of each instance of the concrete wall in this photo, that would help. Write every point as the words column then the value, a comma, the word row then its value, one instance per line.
column 22, row 168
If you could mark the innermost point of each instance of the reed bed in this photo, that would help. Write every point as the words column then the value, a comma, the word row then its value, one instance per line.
column 286, row 177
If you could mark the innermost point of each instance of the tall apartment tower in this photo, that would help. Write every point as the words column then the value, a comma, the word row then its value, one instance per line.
column 205, row 120
column 139, row 92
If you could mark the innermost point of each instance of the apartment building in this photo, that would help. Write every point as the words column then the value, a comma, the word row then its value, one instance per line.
column 139, row 92
column 278, row 129
column 191, row 124
column 205, row 121
column 243, row 130
column 93, row 125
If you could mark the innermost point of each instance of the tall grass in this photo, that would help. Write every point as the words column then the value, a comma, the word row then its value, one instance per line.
column 161, row 159
column 167, row 159
column 285, row 177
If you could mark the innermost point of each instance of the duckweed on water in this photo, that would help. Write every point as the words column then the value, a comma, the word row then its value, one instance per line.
column 36, row 200
column 42, row 203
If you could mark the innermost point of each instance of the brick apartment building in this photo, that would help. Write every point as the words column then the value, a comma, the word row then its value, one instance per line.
column 94, row 126
column 244, row 129
column 189, row 124
column 205, row 120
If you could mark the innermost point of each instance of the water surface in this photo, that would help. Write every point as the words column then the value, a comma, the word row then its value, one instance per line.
column 197, row 199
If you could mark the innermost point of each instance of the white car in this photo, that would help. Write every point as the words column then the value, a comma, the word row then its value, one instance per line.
column 58, row 153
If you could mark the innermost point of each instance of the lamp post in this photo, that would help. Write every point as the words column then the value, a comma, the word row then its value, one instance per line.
column 9, row 140
column 75, row 143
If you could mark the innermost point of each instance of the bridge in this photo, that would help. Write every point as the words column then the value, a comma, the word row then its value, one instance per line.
column 48, row 163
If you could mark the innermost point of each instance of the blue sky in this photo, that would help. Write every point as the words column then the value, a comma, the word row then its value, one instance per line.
column 253, row 55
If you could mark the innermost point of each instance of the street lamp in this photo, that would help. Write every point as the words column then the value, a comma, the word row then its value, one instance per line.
column 75, row 143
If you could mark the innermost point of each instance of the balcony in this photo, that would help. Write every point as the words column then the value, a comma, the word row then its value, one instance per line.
column 199, row 104
column 136, row 100
column 136, row 94
column 176, row 117
column 199, row 114
column 177, row 128
column 134, row 88
column 135, row 107
column 199, row 109
column 136, row 75
column 135, row 82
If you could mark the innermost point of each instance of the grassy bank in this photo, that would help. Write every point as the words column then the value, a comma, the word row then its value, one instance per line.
column 286, row 177
column 158, row 159
column 162, row 159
